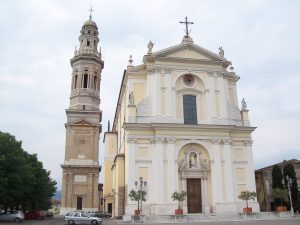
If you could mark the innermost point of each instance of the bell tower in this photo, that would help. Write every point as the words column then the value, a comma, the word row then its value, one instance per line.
column 83, row 127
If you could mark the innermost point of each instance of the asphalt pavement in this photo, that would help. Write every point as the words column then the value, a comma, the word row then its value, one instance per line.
column 106, row 221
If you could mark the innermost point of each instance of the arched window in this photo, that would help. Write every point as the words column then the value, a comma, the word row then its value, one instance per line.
column 85, row 80
column 75, row 81
column 95, row 82
column 190, row 109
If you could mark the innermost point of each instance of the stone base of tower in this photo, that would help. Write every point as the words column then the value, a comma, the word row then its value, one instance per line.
column 79, row 188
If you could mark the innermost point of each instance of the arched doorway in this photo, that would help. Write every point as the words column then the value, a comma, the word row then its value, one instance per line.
column 194, row 172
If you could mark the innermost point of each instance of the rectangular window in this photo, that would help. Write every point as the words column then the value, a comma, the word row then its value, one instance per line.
column 190, row 109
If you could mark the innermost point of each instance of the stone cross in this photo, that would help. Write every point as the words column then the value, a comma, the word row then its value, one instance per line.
column 186, row 25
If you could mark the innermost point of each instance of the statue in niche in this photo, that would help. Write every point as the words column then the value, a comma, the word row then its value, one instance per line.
column 221, row 52
column 131, row 98
column 193, row 160
column 244, row 104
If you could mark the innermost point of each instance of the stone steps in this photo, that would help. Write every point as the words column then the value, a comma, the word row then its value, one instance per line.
column 190, row 218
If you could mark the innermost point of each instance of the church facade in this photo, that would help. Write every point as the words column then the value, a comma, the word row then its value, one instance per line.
column 81, row 165
column 178, row 125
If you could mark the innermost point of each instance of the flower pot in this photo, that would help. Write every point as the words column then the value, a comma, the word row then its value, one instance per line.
column 281, row 208
column 137, row 212
column 178, row 212
column 247, row 210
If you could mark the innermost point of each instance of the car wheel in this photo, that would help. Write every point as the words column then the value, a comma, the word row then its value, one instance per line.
column 94, row 222
column 17, row 220
column 71, row 222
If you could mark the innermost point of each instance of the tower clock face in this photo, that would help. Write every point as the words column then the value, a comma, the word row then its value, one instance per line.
column 188, row 80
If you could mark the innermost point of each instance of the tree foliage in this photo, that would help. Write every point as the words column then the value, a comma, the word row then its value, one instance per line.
column 280, row 195
column 137, row 196
column 23, row 180
column 277, row 177
column 247, row 195
column 180, row 197
column 289, row 170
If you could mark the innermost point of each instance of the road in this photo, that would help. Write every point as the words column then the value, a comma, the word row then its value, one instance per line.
column 60, row 221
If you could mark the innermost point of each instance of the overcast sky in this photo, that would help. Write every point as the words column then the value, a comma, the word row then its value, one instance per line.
column 260, row 37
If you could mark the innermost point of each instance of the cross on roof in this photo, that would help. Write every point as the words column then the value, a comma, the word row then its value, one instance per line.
column 186, row 25
column 91, row 10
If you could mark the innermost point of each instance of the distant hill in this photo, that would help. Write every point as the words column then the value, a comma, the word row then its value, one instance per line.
column 57, row 195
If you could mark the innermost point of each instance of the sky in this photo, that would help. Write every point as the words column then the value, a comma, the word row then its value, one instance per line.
column 260, row 37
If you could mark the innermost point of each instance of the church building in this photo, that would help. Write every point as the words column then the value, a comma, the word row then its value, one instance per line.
column 81, row 165
column 178, row 125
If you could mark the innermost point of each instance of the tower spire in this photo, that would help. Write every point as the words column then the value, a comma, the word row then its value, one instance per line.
column 91, row 10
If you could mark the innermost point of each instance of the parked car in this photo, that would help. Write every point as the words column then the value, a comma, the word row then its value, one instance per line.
column 12, row 215
column 102, row 214
column 35, row 215
column 98, row 214
column 49, row 214
column 81, row 218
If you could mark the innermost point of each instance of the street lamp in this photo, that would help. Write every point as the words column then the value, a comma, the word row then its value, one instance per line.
column 289, row 183
column 141, row 186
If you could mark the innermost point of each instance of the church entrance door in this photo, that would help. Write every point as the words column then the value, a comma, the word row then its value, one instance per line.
column 194, row 195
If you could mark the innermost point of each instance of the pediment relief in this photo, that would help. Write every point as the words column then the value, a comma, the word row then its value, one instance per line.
column 82, row 123
column 189, row 51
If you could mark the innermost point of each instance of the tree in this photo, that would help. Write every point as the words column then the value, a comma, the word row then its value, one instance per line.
column 289, row 170
column 280, row 194
column 246, row 196
column 23, row 180
column 180, row 197
column 137, row 196
column 277, row 177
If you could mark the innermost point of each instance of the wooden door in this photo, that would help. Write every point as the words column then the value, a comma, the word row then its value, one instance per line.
column 194, row 195
column 79, row 203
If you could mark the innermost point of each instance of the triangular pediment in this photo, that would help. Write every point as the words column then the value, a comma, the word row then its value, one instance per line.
column 82, row 123
column 188, row 51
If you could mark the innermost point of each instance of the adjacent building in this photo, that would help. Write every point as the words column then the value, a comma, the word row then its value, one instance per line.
column 178, row 125
column 263, row 179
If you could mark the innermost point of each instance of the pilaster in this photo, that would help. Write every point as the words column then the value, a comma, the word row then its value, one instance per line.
column 217, row 192
column 172, row 170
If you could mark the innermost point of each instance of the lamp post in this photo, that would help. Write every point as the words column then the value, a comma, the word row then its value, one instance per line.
column 141, row 186
column 289, row 183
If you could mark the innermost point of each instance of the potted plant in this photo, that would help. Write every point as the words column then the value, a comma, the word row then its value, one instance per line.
column 137, row 196
column 246, row 196
column 180, row 197
column 281, row 195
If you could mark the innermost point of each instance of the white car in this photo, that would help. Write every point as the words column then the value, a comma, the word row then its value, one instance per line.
column 81, row 218
column 12, row 215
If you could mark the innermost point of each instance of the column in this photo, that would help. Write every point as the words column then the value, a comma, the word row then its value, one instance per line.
column 172, row 170
column 229, row 182
column 88, row 203
column 204, row 193
column 250, row 170
column 157, row 100
column 69, row 192
column 158, row 163
column 210, row 97
column 130, row 167
column 95, row 192
column 217, row 192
